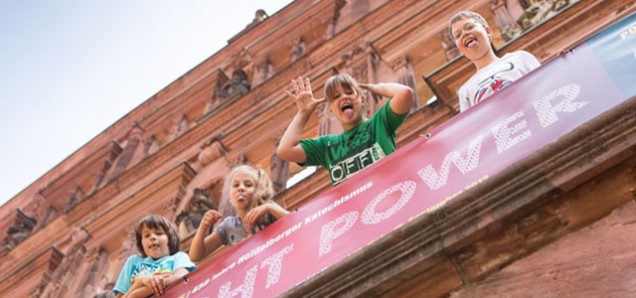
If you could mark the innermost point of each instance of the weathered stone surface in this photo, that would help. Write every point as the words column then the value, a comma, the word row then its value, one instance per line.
column 153, row 159
column 596, row 261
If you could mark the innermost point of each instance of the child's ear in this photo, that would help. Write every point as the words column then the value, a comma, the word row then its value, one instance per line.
column 488, row 31
column 363, row 98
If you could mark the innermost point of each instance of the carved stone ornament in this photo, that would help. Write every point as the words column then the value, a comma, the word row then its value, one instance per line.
column 211, row 151
column 190, row 219
column 19, row 231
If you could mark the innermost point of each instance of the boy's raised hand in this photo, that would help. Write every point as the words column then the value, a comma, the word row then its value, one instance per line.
column 303, row 96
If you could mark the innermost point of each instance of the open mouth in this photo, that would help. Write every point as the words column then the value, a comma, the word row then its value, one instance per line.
column 347, row 109
column 470, row 42
column 241, row 198
column 154, row 246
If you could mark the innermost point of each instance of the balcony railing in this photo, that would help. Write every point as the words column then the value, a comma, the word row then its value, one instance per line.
column 491, row 146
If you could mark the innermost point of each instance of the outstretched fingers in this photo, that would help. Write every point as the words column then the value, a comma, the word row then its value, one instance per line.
column 295, row 86
column 301, row 84
column 307, row 85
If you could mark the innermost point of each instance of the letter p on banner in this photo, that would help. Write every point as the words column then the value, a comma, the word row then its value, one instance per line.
column 328, row 233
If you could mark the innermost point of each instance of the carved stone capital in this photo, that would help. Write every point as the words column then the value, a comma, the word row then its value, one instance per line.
column 211, row 150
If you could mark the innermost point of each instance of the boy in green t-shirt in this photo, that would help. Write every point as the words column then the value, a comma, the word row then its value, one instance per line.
column 363, row 142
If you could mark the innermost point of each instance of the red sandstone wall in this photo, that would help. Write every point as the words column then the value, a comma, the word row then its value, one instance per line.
column 597, row 261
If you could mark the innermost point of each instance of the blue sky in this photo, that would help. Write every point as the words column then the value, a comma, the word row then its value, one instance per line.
column 71, row 68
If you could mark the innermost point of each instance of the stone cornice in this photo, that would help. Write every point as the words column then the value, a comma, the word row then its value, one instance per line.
column 393, row 43
column 34, row 270
column 313, row 16
column 96, row 213
column 510, row 215
column 84, row 175
column 150, row 199
column 189, row 97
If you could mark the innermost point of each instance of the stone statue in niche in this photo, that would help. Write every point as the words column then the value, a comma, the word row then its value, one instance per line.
column 259, row 16
column 540, row 11
column 189, row 220
column 19, row 231
column 297, row 49
column 238, row 85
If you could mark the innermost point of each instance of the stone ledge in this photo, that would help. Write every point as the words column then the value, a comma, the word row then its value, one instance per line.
column 544, row 197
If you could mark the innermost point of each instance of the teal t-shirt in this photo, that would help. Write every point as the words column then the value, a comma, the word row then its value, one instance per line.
column 345, row 154
column 137, row 266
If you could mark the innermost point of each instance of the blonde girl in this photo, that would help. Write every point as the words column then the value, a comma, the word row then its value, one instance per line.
column 249, row 192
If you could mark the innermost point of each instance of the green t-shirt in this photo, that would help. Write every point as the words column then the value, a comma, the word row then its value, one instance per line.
column 345, row 154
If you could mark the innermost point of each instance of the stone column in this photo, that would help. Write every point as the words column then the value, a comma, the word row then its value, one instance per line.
column 406, row 76
column 448, row 44
column 279, row 169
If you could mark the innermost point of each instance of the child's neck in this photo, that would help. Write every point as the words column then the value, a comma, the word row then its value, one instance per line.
column 486, row 60
column 346, row 127
column 241, row 213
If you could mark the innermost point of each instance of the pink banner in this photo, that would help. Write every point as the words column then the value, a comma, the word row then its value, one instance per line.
column 419, row 178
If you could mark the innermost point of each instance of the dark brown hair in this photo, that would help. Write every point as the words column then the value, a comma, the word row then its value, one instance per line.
column 338, row 82
column 158, row 222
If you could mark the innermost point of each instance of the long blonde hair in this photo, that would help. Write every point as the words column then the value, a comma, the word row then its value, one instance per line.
column 263, row 189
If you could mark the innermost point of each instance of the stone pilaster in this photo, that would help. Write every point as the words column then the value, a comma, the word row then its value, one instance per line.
column 406, row 76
